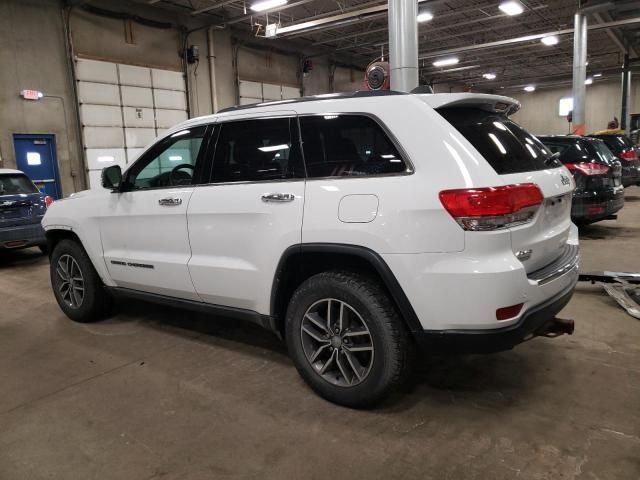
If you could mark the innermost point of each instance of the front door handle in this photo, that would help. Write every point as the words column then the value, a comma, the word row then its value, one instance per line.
column 278, row 197
column 170, row 202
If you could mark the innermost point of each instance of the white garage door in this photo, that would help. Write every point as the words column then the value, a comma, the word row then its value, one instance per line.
column 256, row 92
column 123, row 108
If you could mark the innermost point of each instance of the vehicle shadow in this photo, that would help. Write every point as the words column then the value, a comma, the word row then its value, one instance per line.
column 603, row 231
column 17, row 258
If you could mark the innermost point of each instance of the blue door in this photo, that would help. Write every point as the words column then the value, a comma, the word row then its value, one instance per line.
column 36, row 156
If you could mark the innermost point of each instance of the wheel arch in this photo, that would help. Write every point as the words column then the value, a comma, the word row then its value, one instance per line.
column 300, row 262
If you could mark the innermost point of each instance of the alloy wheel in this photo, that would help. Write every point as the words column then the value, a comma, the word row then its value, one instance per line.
column 337, row 342
column 70, row 281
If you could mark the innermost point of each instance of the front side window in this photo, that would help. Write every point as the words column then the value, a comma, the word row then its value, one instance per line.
column 348, row 145
column 16, row 184
column 170, row 163
column 258, row 150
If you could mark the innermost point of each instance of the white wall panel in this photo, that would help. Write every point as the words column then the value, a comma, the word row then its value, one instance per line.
column 250, row 89
column 133, row 154
column 290, row 92
column 103, row 137
column 271, row 92
column 167, row 80
column 99, row 158
column 169, row 118
column 249, row 100
column 139, row 137
column 136, row 97
column 100, row 115
column 170, row 99
column 96, row 71
column 95, row 179
column 98, row 93
column 138, row 117
column 136, row 76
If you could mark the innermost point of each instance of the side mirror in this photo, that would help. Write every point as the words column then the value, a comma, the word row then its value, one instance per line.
column 112, row 177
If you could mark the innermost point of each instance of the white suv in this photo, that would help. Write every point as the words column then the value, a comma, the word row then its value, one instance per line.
column 355, row 226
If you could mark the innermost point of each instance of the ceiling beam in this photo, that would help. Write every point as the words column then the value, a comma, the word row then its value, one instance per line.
column 212, row 7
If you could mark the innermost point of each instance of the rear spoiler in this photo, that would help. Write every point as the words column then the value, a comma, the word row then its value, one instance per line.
column 490, row 103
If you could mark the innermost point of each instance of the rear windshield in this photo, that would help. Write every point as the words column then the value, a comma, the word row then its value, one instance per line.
column 14, row 184
column 579, row 150
column 600, row 150
column 617, row 143
column 504, row 144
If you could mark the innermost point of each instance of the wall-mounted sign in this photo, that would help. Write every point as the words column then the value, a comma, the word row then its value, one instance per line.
column 31, row 94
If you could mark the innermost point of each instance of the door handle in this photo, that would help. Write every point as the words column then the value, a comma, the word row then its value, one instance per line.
column 278, row 197
column 170, row 202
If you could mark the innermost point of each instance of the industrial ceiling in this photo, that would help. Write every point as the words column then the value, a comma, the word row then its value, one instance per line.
column 483, row 38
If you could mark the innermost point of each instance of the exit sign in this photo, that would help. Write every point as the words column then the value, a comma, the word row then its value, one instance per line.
column 31, row 94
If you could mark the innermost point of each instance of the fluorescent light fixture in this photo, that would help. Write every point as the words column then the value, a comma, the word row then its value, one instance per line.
column 489, row 76
column 597, row 75
column 588, row 81
column 267, row 4
column 105, row 158
column 511, row 8
column 530, row 88
column 424, row 17
column 550, row 41
column 273, row 148
column 175, row 158
column 445, row 62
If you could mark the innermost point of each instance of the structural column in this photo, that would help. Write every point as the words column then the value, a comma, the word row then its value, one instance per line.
column 579, row 73
column 403, row 44
column 625, row 117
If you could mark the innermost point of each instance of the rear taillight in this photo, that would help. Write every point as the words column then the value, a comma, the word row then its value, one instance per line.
column 629, row 155
column 492, row 208
column 588, row 168
column 48, row 201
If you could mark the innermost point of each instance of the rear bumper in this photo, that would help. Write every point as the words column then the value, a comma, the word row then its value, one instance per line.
column 531, row 324
column 591, row 207
column 22, row 236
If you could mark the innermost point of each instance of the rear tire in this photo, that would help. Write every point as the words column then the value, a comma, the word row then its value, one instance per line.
column 76, row 285
column 358, row 360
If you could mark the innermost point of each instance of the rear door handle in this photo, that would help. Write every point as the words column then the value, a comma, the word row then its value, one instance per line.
column 170, row 202
column 278, row 197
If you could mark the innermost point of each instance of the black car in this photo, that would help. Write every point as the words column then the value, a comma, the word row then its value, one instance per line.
column 22, row 207
column 597, row 172
column 623, row 148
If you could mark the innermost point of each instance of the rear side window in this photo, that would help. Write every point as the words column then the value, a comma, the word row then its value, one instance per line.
column 258, row 150
column 15, row 184
column 348, row 146
column 504, row 144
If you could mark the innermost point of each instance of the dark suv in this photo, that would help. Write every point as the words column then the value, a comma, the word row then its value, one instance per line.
column 623, row 148
column 599, row 192
column 22, row 207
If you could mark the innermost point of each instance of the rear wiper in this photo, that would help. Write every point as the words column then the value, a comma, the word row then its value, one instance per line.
column 552, row 158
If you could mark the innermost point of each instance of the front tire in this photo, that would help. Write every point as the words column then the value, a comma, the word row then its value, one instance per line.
column 76, row 285
column 347, row 339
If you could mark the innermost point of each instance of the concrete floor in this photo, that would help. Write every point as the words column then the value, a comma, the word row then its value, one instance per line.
column 161, row 394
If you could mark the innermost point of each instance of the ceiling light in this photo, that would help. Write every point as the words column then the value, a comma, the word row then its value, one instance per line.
column 445, row 62
column 267, row 4
column 424, row 17
column 529, row 88
column 597, row 75
column 511, row 8
column 489, row 76
column 588, row 81
column 550, row 40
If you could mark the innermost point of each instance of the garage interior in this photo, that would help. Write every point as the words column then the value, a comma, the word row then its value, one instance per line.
column 159, row 393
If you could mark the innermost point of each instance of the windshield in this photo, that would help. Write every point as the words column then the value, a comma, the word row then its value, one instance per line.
column 598, row 149
column 14, row 184
column 504, row 144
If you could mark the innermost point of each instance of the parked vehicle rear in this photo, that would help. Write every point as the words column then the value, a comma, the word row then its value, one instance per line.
column 22, row 207
column 624, row 149
column 599, row 192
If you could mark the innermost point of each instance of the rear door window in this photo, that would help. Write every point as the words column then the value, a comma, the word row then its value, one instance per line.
column 16, row 184
column 503, row 143
column 258, row 150
column 348, row 146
